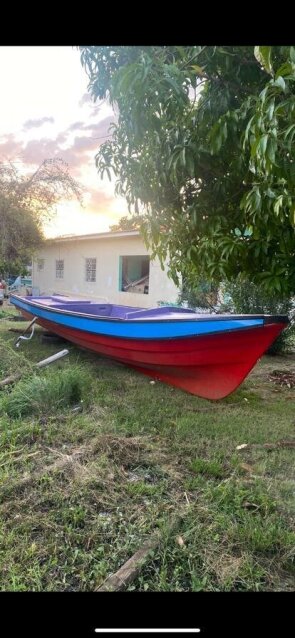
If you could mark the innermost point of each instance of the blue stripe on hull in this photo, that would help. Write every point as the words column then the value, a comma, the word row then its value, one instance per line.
column 138, row 330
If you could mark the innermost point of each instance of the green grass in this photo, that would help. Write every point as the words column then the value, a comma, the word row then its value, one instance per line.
column 212, row 468
column 48, row 392
column 144, row 453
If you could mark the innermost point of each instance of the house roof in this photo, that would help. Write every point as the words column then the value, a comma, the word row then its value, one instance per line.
column 108, row 235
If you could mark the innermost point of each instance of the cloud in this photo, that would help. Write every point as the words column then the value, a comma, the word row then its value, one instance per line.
column 77, row 150
column 101, row 129
column 76, row 126
column 99, row 200
column 86, row 99
column 36, row 151
column 10, row 148
column 95, row 112
column 81, row 151
column 37, row 123
column 84, row 143
column 80, row 154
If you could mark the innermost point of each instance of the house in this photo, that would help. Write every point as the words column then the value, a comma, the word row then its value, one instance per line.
column 113, row 266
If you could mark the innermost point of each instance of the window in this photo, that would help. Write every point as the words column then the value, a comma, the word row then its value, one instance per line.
column 134, row 274
column 59, row 268
column 40, row 264
column 90, row 269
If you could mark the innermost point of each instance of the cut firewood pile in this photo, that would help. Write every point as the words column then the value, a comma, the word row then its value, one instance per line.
column 283, row 378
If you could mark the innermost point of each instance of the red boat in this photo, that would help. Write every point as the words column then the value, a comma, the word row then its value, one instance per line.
column 207, row 355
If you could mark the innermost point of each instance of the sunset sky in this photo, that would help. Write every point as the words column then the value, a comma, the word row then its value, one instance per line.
column 46, row 112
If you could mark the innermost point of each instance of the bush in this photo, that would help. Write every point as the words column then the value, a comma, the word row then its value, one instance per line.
column 245, row 297
column 202, row 295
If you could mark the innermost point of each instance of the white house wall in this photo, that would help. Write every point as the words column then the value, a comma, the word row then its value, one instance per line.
column 107, row 252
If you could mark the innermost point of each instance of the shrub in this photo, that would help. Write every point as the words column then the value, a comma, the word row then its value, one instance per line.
column 202, row 295
column 245, row 297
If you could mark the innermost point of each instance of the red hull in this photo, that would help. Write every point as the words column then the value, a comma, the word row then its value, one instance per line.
column 210, row 366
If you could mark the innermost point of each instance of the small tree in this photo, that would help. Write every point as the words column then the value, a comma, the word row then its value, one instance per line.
column 26, row 200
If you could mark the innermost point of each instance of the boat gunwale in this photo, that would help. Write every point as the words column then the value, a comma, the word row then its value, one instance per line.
column 266, row 318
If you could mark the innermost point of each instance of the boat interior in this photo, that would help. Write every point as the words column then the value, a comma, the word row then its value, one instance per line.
column 90, row 307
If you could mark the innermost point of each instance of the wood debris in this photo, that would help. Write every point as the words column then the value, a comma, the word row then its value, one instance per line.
column 283, row 378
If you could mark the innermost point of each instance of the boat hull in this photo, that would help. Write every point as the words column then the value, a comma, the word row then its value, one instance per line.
column 211, row 366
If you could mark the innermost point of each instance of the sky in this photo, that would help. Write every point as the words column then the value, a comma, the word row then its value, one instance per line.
column 46, row 112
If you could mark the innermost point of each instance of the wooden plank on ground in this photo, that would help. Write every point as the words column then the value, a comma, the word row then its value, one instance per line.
column 131, row 569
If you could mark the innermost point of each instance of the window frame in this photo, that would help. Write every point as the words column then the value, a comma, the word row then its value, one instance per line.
column 90, row 270
column 130, row 283
column 59, row 272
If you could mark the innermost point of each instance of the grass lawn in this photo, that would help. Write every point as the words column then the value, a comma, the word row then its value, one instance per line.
column 95, row 458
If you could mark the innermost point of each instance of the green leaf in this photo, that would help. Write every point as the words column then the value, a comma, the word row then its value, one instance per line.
column 257, row 200
column 289, row 134
column 270, row 110
column 254, row 147
column 286, row 69
column 276, row 284
column 263, row 56
column 280, row 82
column 199, row 70
column 263, row 143
column 292, row 214
column 248, row 127
column 271, row 149
column 269, row 193
column 278, row 204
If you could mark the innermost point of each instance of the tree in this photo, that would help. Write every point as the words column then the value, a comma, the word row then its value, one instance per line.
column 203, row 151
column 127, row 223
column 25, row 201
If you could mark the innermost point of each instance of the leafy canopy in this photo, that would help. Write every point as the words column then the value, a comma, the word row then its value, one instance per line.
column 203, row 151
column 127, row 223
